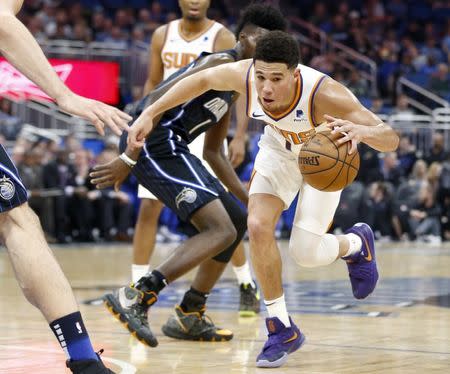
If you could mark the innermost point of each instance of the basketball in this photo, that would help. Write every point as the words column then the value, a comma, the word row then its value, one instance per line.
column 327, row 166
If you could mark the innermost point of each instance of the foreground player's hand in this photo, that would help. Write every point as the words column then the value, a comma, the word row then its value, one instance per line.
column 236, row 151
column 140, row 129
column 352, row 132
column 99, row 114
column 111, row 174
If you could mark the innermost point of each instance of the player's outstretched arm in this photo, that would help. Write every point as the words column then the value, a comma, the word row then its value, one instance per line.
column 21, row 49
column 343, row 113
column 227, row 77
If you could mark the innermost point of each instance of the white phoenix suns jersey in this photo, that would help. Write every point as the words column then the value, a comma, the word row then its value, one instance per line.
column 296, row 124
column 178, row 51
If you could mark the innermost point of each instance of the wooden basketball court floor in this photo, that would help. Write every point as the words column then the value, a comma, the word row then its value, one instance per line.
column 404, row 327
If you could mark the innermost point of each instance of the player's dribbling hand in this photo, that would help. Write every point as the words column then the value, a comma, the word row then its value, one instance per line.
column 110, row 174
column 96, row 112
column 352, row 132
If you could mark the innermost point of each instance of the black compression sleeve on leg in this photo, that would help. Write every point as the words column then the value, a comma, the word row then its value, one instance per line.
column 239, row 218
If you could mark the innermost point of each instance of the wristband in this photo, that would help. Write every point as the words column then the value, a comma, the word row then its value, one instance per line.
column 130, row 162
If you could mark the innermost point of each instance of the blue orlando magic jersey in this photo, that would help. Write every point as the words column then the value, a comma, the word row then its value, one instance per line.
column 189, row 120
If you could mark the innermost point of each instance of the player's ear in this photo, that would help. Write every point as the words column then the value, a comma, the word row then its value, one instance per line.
column 297, row 73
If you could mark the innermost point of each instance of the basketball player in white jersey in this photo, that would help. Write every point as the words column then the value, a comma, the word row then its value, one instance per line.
column 36, row 269
column 173, row 46
column 292, row 99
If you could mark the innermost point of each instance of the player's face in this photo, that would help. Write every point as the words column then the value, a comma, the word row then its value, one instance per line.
column 275, row 84
column 194, row 10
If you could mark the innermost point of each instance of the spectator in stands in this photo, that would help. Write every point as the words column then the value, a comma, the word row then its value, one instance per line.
column 379, row 209
column 81, row 32
column 57, row 175
column 443, row 197
column 324, row 63
column 116, row 38
column 406, row 154
column 433, row 176
column 357, row 85
column 402, row 106
column 437, row 151
column 424, row 217
column 439, row 82
column 390, row 169
column 378, row 106
column 446, row 42
column 80, row 207
column 405, row 198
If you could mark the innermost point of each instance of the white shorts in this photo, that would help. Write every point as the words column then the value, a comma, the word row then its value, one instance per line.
column 277, row 173
column 196, row 148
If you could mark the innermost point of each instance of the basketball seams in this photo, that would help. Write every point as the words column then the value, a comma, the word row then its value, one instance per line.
column 334, row 158
column 333, row 175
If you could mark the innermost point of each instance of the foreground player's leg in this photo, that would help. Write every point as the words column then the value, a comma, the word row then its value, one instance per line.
column 145, row 237
column 311, row 246
column 249, row 303
column 216, row 233
column 283, row 335
column 45, row 286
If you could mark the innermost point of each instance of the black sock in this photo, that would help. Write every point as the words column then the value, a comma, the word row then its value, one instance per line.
column 194, row 301
column 153, row 282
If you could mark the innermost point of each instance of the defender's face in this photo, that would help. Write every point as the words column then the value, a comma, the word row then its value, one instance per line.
column 249, row 37
column 275, row 84
column 194, row 10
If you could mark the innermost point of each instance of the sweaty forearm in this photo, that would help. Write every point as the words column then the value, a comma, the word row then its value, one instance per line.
column 382, row 138
column 21, row 50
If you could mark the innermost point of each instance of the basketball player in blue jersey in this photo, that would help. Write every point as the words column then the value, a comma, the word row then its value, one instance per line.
column 175, row 45
column 167, row 168
column 36, row 269
column 293, row 100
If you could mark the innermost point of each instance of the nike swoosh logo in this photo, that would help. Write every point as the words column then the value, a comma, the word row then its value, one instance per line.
column 256, row 115
column 295, row 336
column 369, row 256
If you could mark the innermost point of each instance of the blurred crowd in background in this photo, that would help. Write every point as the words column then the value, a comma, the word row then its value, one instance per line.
column 404, row 195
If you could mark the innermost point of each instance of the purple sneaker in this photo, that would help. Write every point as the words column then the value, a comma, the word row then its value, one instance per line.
column 362, row 267
column 282, row 341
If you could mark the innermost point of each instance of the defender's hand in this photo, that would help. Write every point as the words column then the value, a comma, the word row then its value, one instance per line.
column 236, row 151
column 111, row 174
column 140, row 129
column 352, row 132
column 99, row 114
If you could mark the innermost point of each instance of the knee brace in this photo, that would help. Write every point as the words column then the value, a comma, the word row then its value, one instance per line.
column 312, row 250
column 239, row 218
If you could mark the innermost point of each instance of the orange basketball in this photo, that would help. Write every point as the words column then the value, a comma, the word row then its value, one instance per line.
column 325, row 165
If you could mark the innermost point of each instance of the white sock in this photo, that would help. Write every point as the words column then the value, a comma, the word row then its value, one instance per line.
column 277, row 308
column 243, row 274
column 355, row 244
column 138, row 271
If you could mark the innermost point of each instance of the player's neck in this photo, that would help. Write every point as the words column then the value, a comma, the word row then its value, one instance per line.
column 189, row 28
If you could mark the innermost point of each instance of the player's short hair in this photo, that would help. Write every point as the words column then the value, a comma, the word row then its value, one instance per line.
column 277, row 46
column 264, row 16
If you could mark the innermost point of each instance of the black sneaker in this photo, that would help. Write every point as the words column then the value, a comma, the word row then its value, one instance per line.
column 89, row 366
column 194, row 326
column 249, row 304
column 130, row 306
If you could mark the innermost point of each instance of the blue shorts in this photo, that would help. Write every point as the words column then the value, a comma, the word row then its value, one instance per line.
column 12, row 191
column 174, row 175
